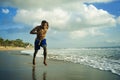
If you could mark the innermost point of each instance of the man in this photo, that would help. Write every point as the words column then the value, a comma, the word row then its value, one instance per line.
column 40, row 40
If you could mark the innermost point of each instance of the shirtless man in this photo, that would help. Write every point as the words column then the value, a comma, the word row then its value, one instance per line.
column 40, row 40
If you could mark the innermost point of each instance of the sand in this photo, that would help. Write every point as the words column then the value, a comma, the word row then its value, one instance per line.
column 12, row 48
column 14, row 66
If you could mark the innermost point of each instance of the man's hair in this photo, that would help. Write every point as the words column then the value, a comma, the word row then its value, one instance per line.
column 43, row 23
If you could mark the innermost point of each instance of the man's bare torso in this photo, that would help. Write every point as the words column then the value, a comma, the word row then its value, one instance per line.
column 41, row 32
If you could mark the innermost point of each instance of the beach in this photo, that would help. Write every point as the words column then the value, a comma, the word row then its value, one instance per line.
column 2, row 48
column 17, row 66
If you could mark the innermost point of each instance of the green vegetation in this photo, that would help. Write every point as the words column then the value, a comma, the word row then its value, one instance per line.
column 14, row 43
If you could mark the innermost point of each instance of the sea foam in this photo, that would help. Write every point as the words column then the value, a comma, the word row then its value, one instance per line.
column 100, row 58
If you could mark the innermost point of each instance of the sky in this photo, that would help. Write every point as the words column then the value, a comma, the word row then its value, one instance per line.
column 72, row 23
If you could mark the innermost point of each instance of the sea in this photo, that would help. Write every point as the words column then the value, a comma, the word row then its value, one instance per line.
column 100, row 58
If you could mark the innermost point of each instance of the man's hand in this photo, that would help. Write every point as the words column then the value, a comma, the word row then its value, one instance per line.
column 34, row 31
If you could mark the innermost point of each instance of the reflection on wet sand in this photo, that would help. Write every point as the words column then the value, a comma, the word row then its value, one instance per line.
column 44, row 76
column 34, row 75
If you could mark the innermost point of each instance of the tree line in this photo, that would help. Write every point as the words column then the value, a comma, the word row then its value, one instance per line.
column 14, row 43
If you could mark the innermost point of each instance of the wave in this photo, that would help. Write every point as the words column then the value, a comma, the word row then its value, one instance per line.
column 95, row 62
column 100, row 58
column 30, row 53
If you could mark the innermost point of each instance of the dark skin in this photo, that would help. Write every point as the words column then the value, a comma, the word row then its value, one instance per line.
column 40, row 31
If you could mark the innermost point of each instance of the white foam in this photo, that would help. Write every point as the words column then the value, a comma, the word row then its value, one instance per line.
column 31, row 52
column 101, row 58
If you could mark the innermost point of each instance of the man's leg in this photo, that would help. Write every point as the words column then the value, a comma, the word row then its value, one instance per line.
column 34, row 56
column 45, row 55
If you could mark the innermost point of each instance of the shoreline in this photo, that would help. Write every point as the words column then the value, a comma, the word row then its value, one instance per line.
column 2, row 48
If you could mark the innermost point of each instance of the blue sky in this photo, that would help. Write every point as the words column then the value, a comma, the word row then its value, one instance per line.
column 73, row 23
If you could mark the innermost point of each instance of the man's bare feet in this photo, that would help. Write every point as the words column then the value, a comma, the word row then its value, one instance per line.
column 33, row 62
column 45, row 63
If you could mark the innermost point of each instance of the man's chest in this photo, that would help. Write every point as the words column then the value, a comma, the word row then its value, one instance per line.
column 42, row 31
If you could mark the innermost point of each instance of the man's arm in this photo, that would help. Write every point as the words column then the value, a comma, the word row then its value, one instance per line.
column 34, row 31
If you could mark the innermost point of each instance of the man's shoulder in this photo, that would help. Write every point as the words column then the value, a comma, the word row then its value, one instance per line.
column 38, row 27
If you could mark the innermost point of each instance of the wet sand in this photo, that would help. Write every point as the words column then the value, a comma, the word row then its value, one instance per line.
column 14, row 66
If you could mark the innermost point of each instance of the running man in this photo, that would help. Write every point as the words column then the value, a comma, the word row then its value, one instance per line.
column 40, row 40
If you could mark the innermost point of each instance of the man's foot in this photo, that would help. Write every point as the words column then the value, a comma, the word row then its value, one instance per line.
column 45, row 63
column 33, row 62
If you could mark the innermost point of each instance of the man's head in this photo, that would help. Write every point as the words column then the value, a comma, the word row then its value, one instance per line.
column 44, row 23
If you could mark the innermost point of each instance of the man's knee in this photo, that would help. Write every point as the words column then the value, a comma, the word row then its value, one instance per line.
column 45, row 49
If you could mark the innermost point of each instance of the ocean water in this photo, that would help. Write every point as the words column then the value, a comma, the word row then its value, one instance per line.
column 100, row 58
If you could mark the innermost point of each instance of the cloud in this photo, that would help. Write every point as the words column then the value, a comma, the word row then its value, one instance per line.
column 116, row 42
column 6, row 11
column 80, row 22
column 33, row 4
column 97, row 1
column 96, row 32
column 78, row 34
column 61, row 14
column 85, row 32
column 97, row 17
column 57, row 17
column 118, row 20
column 73, row 17
column 62, row 19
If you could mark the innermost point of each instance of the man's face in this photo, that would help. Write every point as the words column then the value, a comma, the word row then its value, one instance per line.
column 45, row 25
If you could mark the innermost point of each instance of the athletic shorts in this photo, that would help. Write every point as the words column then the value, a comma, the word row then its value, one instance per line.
column 40, row 43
